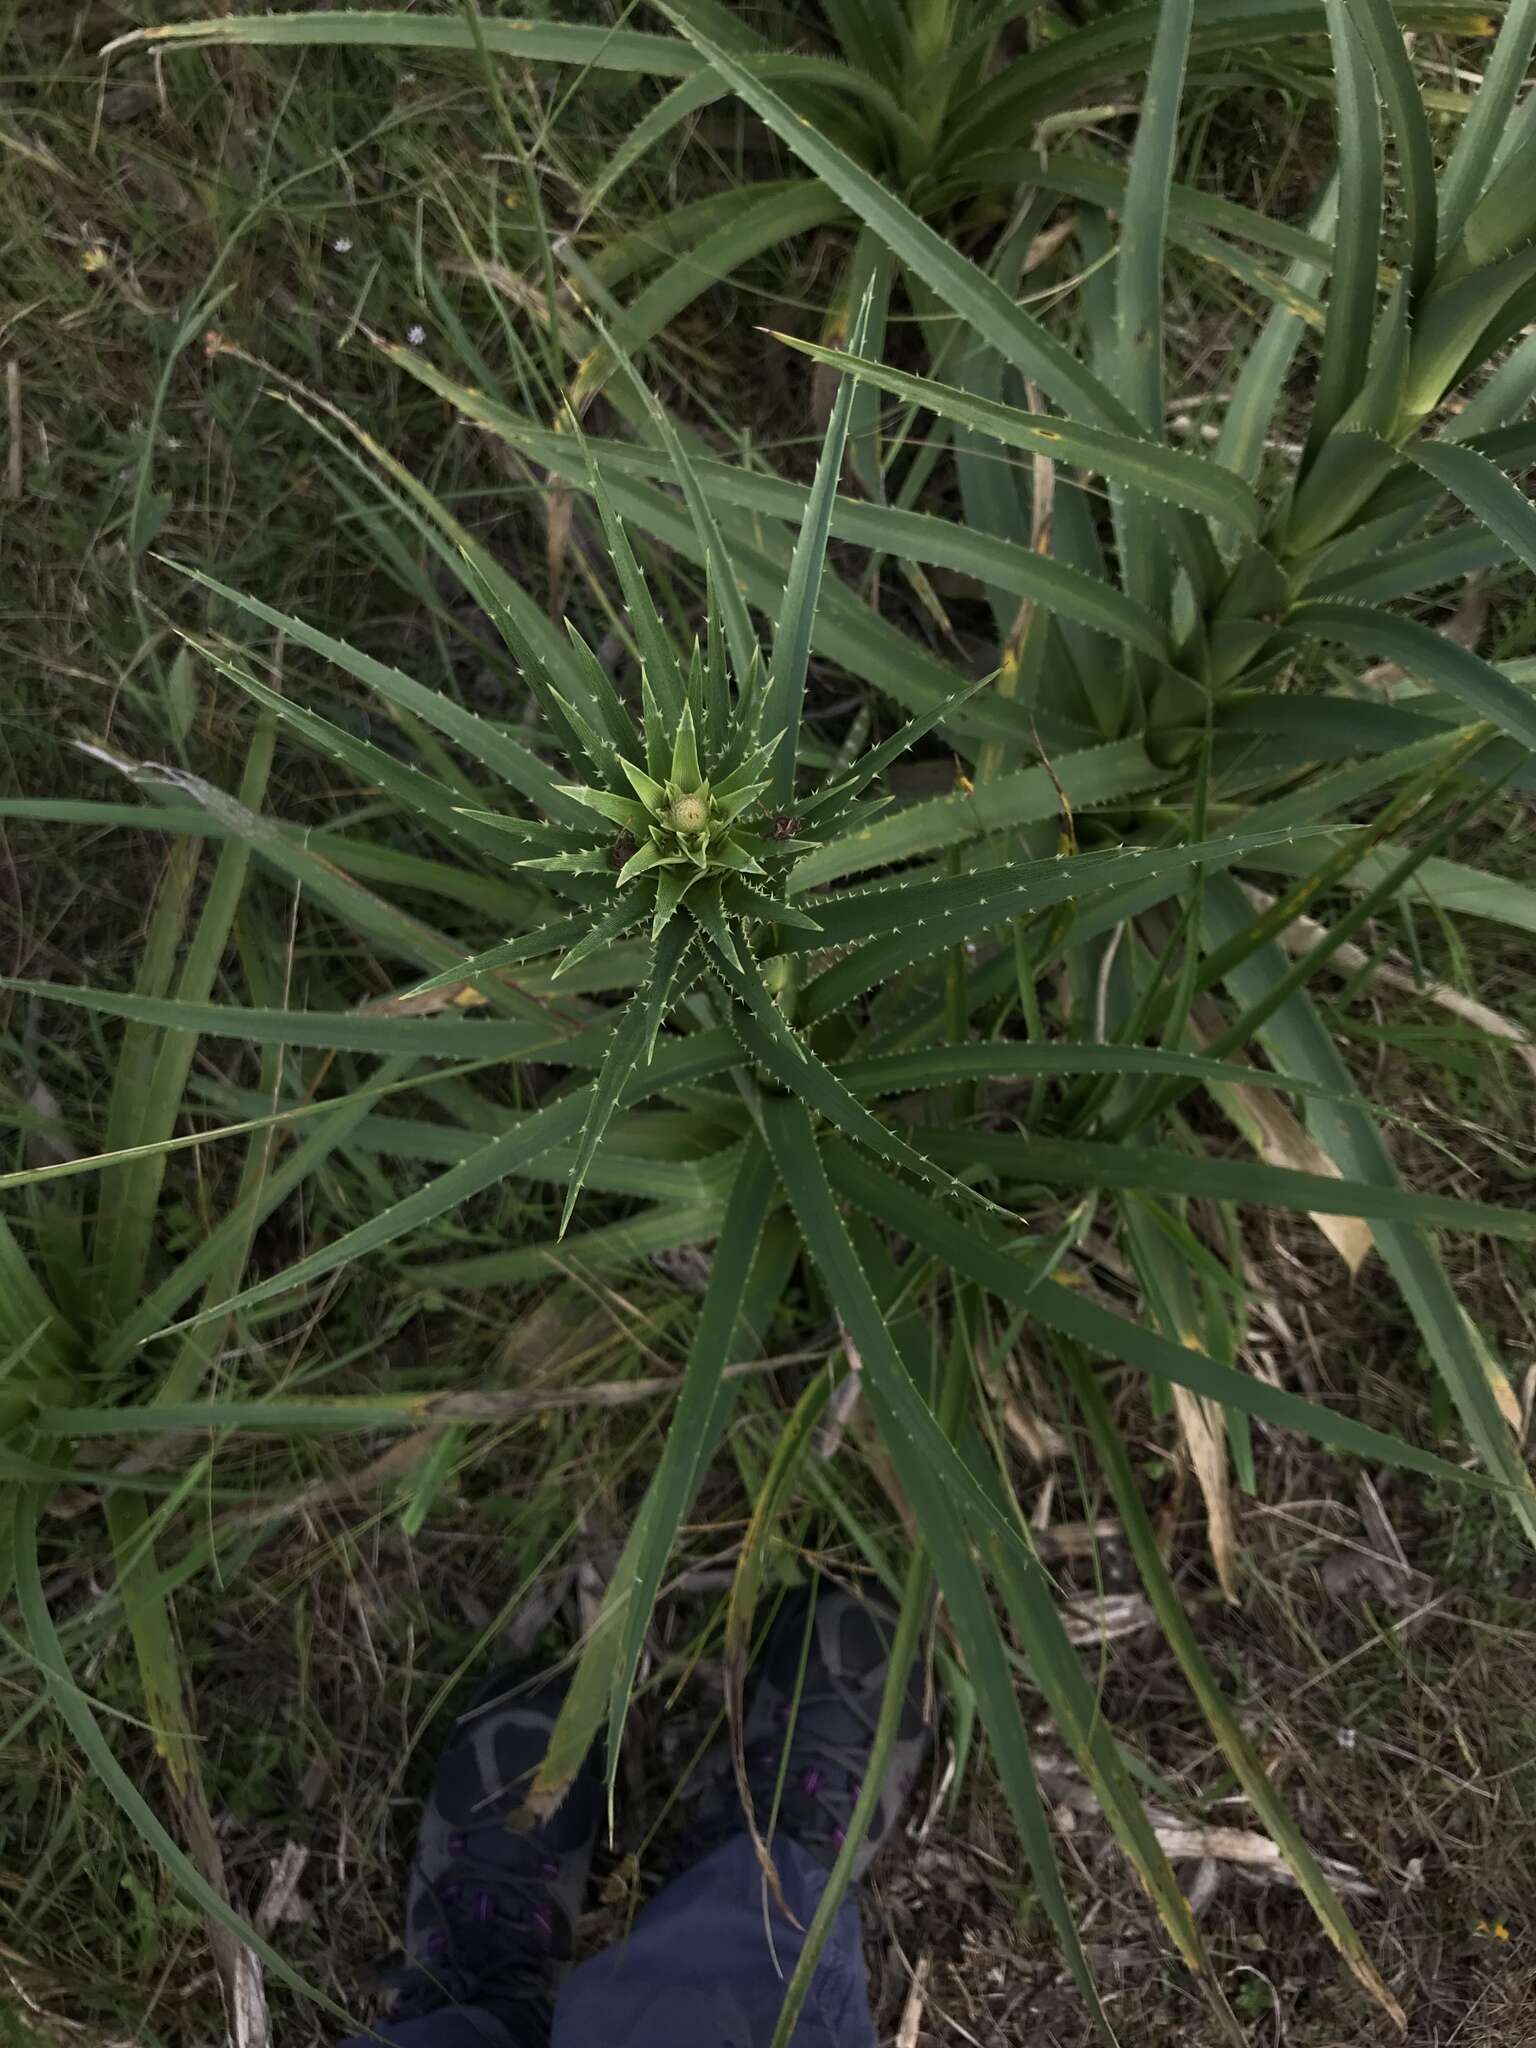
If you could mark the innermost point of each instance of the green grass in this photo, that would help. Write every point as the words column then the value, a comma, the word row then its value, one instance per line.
column 318, row 1643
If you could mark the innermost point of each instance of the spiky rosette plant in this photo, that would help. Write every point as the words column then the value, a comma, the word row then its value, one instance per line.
column 794, row 1074
column 693, row 839
column 776, row 1030
column 702, row 817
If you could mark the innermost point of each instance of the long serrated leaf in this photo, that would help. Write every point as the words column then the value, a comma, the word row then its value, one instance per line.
column 1159, row 1169
column 503, row 1155
column 604, row 1679
column 600, row 47
column 1115, row 45
column 1078, row 1710
column 1485, row 490
column 1357, row 237
column 610, row 1248
column 1298, row 1039
column 1175, row 477
column 1426, row 654
column 1246, row 427
column 225, row 1248
column 1240, row 1752
column 658, row 657
column 620, row 918
column 923, row 1455
column 629, row 1050
column 794, row 1065
column 784, row 697
column 1139, row 268
column 727, row 605
column 447, row 1037
column 1451, row 886
column 122, row 1231
column 374, row 767
column 853, row 780
column 1105, row 185
column 1095, row 775
column 1462, row 181
column 915, row 920
column 961, row 284
column 937, row 1066
column 969, row 1251
column 1382, row 35
column 488, row 743
column 917, row 536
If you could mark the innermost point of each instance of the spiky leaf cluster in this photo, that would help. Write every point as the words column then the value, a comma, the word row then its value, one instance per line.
column 679, row 821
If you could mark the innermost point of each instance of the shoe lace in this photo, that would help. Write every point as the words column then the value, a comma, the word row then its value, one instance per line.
column 822, row 1775
column 498, row 1932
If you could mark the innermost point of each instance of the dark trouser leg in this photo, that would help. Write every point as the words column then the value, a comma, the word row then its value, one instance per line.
column 456, row 2026
column 706, row 1966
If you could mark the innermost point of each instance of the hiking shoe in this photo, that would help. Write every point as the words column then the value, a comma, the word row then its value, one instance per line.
column 818, row 1729
column 490, row 1905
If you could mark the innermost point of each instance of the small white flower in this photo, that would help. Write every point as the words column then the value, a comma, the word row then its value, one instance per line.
column 342, row 245
column 416, row 336
column 1346, row 1738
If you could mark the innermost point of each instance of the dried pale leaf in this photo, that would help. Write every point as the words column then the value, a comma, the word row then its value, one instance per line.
column 1043, row 246
column 1092, row 1618
column 1280, row 1140
column 51, row 1143
column 1352, row 1572
column 1256, row 1853
column 250, row 2022
column 591, row 1585
column 1205, row 1440
column 430, row 1002
column 280, row 1901
column 1078, row 1539
column 237, row 1967
column 1040, row 1441
column 1464, row 628
column 912, row 2011
column 559, row 506
column 1498, row 1379
column 1304, row 934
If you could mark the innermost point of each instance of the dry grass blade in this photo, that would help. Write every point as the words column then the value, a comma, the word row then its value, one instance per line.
column 1204, row 1430
column 1279, row 1139
column 1304, row 934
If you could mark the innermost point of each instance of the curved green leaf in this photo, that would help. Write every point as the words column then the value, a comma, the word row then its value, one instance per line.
column 968, row 1249
column 911, row 536
column 1462, row 182
column 556, row 42
column 1096, row 775
column 1163, row 1170
column 929, row 1467
column 1382, row 35
column 488, row 743
column 1357, row 238
column 1296, row 1037
column 904, row 922
column 960, row 283
column 784, row 696
column 1423, row 653
column 1139, row 266
column 1169, row 474
column 1485, row 490
column 604, row 1678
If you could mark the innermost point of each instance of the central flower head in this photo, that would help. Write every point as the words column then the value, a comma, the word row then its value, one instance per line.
column 689, row 814
column 683, row 797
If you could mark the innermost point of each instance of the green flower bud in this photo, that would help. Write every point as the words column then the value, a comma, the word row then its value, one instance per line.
column 690, row 814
